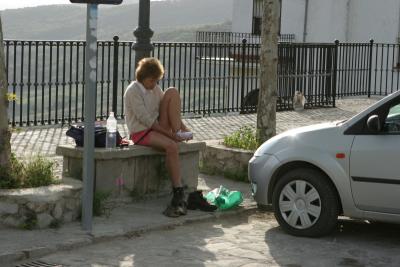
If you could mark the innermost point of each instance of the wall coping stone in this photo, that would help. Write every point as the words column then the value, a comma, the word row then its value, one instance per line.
column 44, row 193
column 127, row 152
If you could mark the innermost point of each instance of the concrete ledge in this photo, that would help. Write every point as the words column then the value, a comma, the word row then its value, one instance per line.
column 127, row 152
column 135, row 170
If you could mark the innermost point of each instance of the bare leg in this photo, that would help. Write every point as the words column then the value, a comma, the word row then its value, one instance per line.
column 170, row 111
column 160, row 141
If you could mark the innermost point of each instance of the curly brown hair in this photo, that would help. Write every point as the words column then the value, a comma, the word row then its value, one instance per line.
column 149, row 67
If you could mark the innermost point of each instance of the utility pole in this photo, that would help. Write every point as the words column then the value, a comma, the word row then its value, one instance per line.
column 266, row 110
column 90, row 108
column 143, row 33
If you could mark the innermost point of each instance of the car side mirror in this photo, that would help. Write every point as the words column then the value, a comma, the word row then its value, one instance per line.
column 374, row 124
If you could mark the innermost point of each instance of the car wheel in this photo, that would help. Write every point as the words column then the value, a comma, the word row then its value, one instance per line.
column 305, row 203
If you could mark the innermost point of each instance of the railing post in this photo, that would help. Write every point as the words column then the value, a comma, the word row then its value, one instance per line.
column 371, row 44
column 244, row 41
column 115, row 76
column 335, row 70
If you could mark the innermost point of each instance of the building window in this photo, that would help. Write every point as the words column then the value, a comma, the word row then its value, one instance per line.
column 257, row 16
column 256, row 26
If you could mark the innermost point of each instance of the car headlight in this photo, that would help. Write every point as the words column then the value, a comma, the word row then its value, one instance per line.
column 253, row 188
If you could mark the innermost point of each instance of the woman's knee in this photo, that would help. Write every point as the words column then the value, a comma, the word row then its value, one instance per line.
column 172, row 148
column 171, row 92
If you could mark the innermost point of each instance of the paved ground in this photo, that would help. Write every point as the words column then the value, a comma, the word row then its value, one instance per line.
column 44, row 140
column 125, row 219
column 244, row 240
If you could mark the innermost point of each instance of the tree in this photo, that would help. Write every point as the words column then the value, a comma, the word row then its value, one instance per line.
column 266, row 110
column 5, row 134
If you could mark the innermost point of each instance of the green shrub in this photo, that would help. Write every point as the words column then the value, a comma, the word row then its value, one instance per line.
column 37, row 172
column 244, row 138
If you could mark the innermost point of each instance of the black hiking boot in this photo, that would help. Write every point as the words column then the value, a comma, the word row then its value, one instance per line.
column 178, row 203
column 171, row 211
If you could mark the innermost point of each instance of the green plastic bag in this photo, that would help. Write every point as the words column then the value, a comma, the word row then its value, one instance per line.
column 224, row 199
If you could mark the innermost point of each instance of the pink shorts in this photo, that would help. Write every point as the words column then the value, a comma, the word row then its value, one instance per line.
column 141, row 138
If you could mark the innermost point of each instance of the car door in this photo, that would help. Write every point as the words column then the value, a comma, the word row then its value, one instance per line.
column 375, row 164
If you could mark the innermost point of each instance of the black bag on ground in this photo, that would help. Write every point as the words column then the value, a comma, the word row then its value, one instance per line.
column 100, row 132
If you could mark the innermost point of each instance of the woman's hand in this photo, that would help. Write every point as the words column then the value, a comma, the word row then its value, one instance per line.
column 156, row 127
column 177, row 138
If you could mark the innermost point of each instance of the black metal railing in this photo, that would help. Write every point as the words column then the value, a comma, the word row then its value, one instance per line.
column 368, row 69
column 309, row 69
column 237, row 37
column 48, row 76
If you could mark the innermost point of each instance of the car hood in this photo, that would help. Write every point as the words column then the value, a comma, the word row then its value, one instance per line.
column 312, row 136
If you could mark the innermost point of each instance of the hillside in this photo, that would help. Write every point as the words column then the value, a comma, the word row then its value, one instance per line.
column 170, row 20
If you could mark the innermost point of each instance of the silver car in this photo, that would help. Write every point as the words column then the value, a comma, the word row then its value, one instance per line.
column 313, row 174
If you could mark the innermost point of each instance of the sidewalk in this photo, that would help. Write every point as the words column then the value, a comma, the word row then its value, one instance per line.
column 126, row 220
column 135, row 218
column 44, row 140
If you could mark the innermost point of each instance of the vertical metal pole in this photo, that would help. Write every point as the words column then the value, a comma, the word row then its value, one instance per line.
column 371, row 46
column 244, row 41
column 143, row 33
column 335, row 71
column 90, row 94
column 115, row 76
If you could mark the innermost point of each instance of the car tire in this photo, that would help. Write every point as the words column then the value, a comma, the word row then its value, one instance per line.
column 305, row 203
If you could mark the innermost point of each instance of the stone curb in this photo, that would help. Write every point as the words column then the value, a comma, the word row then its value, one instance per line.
column 8, row 259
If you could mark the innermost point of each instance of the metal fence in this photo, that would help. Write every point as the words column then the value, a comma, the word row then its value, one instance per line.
column 367, row 69
column 48, row 76
column 237, row 37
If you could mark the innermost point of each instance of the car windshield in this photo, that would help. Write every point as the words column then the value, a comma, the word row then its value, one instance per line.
column 394, row 111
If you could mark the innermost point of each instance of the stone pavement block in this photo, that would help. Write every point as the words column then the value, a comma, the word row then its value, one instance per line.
column 44, row 139
column 133, row 219
column 127, row 219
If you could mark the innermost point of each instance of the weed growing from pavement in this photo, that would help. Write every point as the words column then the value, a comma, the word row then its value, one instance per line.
column 99, row 203
column 30, row 222
column 244, row 138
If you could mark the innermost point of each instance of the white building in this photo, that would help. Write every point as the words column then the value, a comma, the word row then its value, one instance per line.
column 326, row 20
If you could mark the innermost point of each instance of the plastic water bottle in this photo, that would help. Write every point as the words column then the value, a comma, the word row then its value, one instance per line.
column 111, row 136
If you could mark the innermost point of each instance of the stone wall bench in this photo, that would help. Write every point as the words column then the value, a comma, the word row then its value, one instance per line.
column 226, row 161
column 41, row 207
column 134, row 170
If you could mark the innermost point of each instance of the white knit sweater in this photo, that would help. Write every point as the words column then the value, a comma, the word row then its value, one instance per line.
column 141, row 106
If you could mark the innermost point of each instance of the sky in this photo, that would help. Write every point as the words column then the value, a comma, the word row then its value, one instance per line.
column 11, row 4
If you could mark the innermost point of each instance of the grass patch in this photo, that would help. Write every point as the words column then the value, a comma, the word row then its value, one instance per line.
column 38, row 171
column 244, row 138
